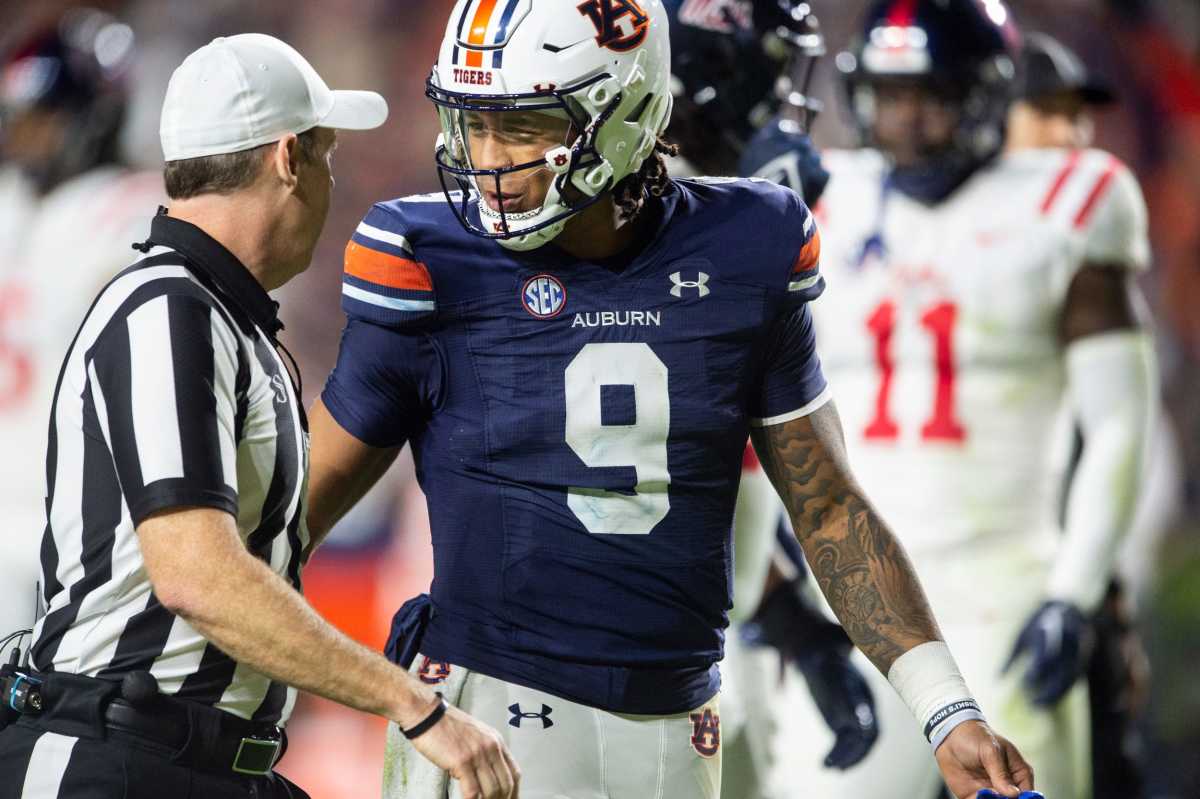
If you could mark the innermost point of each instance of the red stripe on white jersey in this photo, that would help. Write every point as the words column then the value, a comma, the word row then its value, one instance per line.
column 1097, row 192
column 750, row 459
column 1060, row 180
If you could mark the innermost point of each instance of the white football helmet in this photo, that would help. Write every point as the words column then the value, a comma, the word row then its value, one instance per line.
column 605, row 64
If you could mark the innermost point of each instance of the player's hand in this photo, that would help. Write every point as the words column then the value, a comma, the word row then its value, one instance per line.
column 472, row 753
column 821, row 650
column 841, row 693
column 973, row 758
column 1058, row 641
column 783, row 154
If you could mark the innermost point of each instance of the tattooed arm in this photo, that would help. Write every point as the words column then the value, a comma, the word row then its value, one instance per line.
column 856, row 560
column 870, row 583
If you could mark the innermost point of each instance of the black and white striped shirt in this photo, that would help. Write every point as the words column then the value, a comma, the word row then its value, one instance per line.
column 172, row 394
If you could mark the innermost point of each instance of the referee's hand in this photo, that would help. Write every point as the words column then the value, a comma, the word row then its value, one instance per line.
column 473, row 753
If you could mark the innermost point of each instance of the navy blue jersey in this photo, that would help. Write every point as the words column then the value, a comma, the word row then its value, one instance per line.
column 578, row 432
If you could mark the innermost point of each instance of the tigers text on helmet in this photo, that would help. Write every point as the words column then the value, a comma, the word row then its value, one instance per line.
column 963, row 51
column 603, row 65
column 74, row 70
column 735, row 64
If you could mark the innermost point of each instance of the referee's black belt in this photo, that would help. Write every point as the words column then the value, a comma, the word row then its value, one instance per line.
column 199, row 737
column 239, row 745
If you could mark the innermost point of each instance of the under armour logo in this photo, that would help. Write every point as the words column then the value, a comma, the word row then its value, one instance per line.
column 700, row 284
column 515, row 721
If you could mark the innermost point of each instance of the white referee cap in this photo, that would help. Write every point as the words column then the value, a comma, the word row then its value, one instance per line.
column 243, row 91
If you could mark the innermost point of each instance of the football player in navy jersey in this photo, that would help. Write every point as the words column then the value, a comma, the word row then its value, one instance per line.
column 577, row 347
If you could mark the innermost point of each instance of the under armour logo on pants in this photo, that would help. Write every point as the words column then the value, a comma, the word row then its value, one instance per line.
column 515, row 721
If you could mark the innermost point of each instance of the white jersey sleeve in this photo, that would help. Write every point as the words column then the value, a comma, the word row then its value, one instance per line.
column 1096, row 198
column 1116, row 230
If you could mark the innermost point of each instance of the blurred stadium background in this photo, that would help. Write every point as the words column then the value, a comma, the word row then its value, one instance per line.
column 1148, row 49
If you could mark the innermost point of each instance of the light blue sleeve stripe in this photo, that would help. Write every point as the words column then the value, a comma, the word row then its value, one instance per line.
column 387, row 237
column 395, row 303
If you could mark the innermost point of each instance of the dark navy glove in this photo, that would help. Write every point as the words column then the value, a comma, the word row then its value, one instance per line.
column 783, row 154
column 1059, row 640
column 821, row 650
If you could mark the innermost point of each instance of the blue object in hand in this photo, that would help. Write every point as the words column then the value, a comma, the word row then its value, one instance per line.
column 1058, row 641
column 988, row 793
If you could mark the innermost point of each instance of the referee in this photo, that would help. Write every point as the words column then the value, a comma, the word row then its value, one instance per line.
column 175, row 635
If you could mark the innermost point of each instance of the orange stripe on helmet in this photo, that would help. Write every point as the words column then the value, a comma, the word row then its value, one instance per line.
column 478, row 31
column 810, row 254
column 384, row 269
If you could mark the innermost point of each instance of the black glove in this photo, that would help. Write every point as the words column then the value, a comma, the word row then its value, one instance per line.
column 782, row 154
column 821, row 650
column 1059, row 640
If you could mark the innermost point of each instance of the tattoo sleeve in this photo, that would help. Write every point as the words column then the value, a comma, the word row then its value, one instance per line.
column 857, row 561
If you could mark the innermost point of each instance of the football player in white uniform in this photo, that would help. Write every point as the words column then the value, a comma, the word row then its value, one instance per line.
column 62, row 104
column 1054, row 110
column 974, row 294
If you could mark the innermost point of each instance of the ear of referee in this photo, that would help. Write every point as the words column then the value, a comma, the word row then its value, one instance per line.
column 175, row 635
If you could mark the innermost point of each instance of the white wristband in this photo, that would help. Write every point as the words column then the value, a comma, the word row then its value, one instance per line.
column 929, row 682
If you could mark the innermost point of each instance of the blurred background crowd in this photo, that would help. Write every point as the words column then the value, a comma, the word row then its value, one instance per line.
column 1149, row 50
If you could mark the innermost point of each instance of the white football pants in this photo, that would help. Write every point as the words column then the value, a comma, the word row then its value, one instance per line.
column 566, row 750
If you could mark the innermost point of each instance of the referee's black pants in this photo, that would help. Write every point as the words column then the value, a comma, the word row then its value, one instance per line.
column 36, row 764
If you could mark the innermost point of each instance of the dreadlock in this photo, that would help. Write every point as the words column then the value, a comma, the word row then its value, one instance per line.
column 651, row 179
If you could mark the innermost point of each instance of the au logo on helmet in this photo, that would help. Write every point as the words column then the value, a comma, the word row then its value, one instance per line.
column 613, row 30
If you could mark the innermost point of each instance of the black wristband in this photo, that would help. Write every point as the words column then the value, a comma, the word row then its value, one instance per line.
column 433, row 718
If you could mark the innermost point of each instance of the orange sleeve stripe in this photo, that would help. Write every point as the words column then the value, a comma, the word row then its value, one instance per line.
column 810, row 254
column 386, row 270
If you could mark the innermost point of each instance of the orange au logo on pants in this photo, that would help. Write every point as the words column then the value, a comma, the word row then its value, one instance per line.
column 433, row 672
column 706, row 733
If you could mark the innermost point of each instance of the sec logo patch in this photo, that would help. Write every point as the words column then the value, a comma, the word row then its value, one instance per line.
column 543, row 296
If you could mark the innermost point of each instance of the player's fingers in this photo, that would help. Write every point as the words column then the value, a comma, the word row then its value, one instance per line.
column 515, row 770
column 505, row 784
column 847, row 751
column 992, row 755
column 489, row 786
column 468, row 785
column 1022, row 772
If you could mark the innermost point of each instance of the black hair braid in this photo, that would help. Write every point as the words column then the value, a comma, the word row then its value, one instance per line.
column 652, row 179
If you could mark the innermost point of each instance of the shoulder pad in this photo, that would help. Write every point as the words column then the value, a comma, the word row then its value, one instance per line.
column 773, row 230
column 1094, row 194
